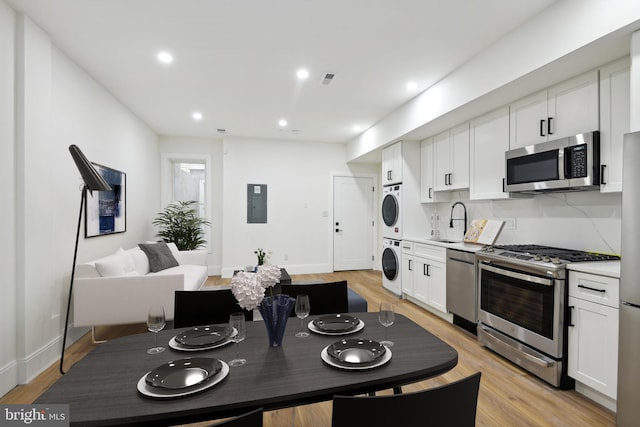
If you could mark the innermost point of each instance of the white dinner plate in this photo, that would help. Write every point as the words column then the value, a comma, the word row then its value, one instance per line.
column 314, row 328
column 331, row 361
column 177, row 346
column 160, row 393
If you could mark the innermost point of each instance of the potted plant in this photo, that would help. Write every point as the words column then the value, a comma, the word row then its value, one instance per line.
column 179, row 223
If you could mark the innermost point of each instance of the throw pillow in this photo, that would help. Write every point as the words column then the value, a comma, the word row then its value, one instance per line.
column 174, row 251
column 160, row 256
column 127, row 260
column 110, row 268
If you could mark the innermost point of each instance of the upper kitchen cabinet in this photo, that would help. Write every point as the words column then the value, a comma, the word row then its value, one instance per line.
column 428, row 174
column 451, row 154
column 614, row 122
column 566, row 109
column 489, row 139
column 392, row 164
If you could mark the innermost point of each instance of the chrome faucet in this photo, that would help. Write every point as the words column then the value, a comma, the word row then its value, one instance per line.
column 451, row 218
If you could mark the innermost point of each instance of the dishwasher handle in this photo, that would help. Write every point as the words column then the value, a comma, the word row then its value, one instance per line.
column 461, row 260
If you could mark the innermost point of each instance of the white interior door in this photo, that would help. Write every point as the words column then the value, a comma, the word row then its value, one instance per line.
column 352, row 223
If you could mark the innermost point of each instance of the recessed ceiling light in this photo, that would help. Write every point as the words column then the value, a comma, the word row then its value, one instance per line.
column 357, row 128
column 282, row 123
column 412, row 85
column 165, row 57
column 302, row 74
column 197, row 115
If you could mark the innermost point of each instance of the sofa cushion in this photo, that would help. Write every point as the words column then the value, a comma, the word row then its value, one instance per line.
column 140, row 261
column 194, row 275
column 111, row 267
column 127, row 261
column 160, row 256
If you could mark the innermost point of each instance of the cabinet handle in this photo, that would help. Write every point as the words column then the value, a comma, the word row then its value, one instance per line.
column 541, row 125
column 569, row 320
column 592, row 289
column 430, row 191
column 602, row 168
column 425, row 270
column 549, row 125
column 503, row 189
column 410, row 268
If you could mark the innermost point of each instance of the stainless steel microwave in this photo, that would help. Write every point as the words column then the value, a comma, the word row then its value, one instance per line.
column 565, row 164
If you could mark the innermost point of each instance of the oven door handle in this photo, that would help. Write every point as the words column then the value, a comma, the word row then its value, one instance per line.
column 513, row 274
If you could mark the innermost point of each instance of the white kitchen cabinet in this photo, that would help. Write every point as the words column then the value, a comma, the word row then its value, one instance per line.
column 451, row 154
column 429, row 276
column 407, row 268
column 428, row 174
column 614, row 122
column 593, row 332
column 392, row 164
column 566, row 109
column 488, row 141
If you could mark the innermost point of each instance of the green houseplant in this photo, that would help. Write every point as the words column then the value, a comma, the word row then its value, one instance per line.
column 179, row 223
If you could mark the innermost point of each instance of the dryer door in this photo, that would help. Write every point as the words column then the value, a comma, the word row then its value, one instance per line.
column 390, row 210
column 390, row 264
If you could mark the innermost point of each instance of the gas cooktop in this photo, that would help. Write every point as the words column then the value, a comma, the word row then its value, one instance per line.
column 540, row 253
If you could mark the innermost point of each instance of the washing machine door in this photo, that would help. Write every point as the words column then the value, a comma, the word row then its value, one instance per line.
column 390, row 264
column 390, row 210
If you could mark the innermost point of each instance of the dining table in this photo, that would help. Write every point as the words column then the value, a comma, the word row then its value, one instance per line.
column 102, row 388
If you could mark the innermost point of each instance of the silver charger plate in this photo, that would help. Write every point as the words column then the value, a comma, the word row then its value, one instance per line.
column 313, row 328
column 177, row 346
column 324, row 355
column 160, row 393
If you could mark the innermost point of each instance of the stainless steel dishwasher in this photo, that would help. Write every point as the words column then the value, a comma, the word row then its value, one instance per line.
column 462, row 294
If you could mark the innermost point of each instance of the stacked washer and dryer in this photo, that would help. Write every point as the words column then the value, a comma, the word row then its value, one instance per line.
column 392, row 238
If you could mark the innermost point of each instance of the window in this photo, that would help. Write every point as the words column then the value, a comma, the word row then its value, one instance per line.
column 189, row 183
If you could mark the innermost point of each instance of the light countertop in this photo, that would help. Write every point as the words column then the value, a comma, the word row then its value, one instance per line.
column 602, row 268
column 461, row 246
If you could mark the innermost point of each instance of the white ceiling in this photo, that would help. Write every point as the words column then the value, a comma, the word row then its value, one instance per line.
column 236, row 60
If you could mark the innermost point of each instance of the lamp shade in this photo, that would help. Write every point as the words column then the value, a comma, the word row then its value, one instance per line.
column 92, row 179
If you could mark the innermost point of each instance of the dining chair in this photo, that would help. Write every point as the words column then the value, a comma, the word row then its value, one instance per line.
column 196, row 308
column 250, row 419
column 452, row 404
column 324, row 298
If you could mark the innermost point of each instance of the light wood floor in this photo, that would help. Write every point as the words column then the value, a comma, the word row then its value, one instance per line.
column 509, row 396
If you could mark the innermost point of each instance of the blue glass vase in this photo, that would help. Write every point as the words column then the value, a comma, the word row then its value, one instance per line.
column 275, row 312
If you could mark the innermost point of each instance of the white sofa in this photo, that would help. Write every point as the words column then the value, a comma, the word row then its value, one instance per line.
column 119, row 288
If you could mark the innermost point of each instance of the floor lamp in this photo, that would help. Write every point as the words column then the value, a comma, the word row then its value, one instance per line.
column 93, row 181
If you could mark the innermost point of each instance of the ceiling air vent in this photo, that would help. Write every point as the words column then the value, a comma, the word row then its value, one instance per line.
column 327, row 78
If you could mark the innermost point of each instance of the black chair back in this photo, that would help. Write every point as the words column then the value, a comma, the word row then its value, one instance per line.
column 452, row 404
column 324, row 298
column 250, row 419
column 196, row 308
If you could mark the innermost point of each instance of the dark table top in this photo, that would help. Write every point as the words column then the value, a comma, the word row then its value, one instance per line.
column 101, row 388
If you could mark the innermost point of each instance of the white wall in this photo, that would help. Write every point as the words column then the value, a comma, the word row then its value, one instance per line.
column 8, row 349
column 172, row 147
column 58, row 104
column 299, row 180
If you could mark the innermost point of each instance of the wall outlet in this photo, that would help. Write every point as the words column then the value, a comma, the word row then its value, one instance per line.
column 509, row 223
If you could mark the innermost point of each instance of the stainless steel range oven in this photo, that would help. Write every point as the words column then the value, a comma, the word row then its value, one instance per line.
column 522, row 306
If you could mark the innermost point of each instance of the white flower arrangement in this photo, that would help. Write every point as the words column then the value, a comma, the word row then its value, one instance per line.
column 249, row 288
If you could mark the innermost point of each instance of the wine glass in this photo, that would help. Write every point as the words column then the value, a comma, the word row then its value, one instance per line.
column 386, row 318
column 302, row 310
column 155, row 323
column 237, row 322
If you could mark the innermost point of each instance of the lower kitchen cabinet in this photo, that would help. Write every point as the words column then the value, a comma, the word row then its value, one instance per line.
column 407, row 268
column 425, row 275
column 593, row 332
